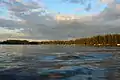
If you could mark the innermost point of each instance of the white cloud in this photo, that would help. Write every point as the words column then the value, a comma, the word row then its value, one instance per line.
column 107, row 1
column 6, row 33
column 35, row 25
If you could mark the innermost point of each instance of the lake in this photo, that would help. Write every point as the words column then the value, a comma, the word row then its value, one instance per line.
column 58, row 62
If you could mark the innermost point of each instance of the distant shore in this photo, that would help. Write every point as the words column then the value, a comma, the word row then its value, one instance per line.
column 99, row 40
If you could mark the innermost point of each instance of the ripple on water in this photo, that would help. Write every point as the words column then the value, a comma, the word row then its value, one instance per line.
column 60, row 65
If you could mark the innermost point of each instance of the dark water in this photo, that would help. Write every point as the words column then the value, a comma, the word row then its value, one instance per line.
column 25, row 62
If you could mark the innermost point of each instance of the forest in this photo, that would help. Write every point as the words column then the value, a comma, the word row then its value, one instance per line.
column 99, row 40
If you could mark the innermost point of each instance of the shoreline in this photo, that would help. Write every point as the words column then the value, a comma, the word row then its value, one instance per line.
column 69, row 45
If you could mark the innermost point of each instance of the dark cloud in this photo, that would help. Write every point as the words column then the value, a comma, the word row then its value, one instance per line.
column 86, row 3
column 89, row 7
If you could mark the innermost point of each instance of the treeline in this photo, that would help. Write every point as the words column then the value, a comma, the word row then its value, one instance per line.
column 99, row 40
column 18, row 42
column 105, row 40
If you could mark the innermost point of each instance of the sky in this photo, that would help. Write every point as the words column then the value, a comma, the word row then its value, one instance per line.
column 58, row 19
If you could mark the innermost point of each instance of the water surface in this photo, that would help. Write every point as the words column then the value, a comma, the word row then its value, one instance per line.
column 50, row 62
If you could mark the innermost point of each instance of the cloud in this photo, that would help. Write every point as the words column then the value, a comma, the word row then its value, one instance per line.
column 76, row 1
column 88, row 7
column 107, row 1
column 86, row 1
column 7, row 33
column 38, row 23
